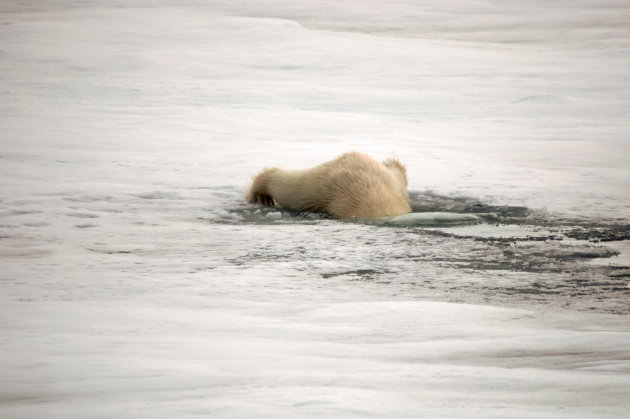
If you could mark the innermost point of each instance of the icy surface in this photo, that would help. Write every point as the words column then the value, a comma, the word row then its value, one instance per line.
column 136, row 283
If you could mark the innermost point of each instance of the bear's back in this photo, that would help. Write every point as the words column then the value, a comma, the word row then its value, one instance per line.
column 360, row 186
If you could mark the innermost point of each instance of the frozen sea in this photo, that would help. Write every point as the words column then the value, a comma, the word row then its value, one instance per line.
column 136, row 283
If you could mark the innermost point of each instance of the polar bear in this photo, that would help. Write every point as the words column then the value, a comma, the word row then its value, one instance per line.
column 352, row 185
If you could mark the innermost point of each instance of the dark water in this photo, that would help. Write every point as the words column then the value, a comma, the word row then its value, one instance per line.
column 513, row 255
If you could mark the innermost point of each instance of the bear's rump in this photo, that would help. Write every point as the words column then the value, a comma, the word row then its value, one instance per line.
column 366, row 190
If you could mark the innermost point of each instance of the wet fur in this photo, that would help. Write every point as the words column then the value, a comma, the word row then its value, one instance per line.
column 352, row 185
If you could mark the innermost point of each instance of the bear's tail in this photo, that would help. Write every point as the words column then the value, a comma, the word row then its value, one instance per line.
column 395, row 164
column 259, row 191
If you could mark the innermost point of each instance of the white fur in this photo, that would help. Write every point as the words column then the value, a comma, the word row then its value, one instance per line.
column 352, row 185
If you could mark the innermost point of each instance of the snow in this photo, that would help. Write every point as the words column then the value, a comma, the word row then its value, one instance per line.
column 136, row 283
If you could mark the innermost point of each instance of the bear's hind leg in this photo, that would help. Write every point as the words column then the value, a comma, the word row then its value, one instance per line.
column 259, row 191
column 265, row 200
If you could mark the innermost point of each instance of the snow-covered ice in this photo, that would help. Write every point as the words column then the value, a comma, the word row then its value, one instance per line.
column 136, row 283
